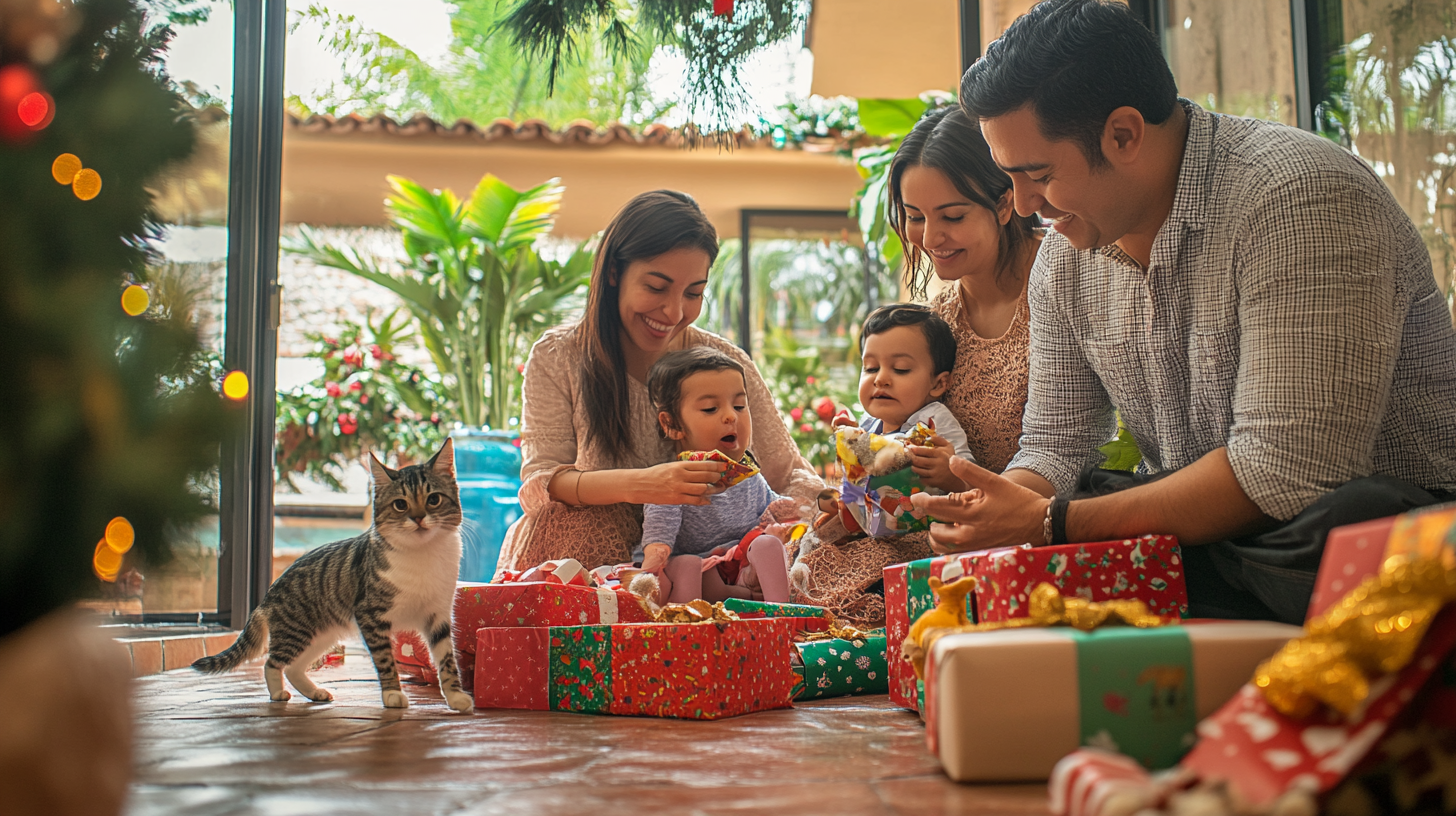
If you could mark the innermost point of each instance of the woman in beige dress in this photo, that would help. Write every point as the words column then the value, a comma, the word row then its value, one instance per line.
column 589, row 435
column 951, row 206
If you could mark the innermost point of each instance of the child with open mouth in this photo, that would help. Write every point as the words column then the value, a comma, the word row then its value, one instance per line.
column 733, row 546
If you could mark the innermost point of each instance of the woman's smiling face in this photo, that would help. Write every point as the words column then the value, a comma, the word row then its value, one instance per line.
column 960, row 237
column 659, row 297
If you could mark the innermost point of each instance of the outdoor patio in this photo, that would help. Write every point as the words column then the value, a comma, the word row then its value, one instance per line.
column 214, row 746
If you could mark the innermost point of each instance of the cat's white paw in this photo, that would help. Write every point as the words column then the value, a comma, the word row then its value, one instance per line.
column 321, row 695
column 460, row 701
column 394, row 698
column 282, row 696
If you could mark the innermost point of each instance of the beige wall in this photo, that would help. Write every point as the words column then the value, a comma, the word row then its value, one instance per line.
column 339, row 179
column 885, row 49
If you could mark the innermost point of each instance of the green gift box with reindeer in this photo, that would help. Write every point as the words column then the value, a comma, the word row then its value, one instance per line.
column 1008, row 704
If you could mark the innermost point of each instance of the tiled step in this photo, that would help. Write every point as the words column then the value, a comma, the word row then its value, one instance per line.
column 159, row 654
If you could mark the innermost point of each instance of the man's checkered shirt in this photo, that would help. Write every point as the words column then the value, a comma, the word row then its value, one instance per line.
column 1289, row 314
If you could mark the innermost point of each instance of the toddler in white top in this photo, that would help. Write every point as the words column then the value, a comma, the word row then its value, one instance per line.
column 908, row 353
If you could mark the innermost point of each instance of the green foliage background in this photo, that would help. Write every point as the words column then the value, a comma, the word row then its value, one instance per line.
column 104, row 415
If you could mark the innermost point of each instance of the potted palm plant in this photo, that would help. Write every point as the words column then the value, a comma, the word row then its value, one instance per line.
column 479, row 294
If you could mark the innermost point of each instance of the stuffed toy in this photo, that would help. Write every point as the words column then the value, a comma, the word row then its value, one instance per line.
column 878, row 480
column 949, row 611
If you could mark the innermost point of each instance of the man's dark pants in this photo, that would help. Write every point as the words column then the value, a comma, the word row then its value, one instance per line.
column 1271, row 576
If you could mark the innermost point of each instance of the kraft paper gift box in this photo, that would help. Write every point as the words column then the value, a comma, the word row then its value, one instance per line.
column 1008, row 704
column 1261, row 753
column 532, row 604
column 693, row 671
column 1149, row 569
column 836, row 668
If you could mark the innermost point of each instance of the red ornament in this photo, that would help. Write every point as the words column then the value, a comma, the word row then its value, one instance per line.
column 355, row 385
column 332, row 389
column 796, row 414
column 806, row 428
column 354, row 358
column 376, row 352
column 824, row 407
column 722, row 7
column 25, row 107
column 348, row 424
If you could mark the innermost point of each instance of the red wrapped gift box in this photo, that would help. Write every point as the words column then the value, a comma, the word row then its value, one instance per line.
column 478, row 606
column 1261, row 753
column 1149, row 569
column 412, row 657
column 907, row 597
column 699, row 671
column 1352, row 554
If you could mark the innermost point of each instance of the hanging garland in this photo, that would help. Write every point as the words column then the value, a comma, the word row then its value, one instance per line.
column 717, row 37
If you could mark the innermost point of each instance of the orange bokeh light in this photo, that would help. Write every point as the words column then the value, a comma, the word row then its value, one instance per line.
column 120, row 535
column 106, row 562
column 87, row 184
column 235, row 386
column 135, row 300
column 65, row 168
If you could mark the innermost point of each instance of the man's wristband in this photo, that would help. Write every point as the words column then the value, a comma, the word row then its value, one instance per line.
column 1057, row 520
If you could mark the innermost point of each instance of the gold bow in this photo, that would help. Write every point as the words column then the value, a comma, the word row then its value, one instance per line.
column 1374, row 630
column 1046, row 607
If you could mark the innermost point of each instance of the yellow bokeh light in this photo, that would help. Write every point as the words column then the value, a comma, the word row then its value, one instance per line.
column 235, row 385
column 106, row 562
column 135, row 300
column 120, row 535
column 65, row 168
column 87, row 184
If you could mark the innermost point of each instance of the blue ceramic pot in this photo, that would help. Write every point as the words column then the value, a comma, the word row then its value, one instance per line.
column 488, row 469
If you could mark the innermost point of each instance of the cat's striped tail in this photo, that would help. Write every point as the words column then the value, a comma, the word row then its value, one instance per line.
column 250, row 643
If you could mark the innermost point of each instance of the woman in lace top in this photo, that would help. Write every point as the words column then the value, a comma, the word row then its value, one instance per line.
column 591, row 452
column 952, row 208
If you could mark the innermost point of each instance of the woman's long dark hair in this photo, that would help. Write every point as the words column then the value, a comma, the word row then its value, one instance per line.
column 648, row 226
column 948, row 141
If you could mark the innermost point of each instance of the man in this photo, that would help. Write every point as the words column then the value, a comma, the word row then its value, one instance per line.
column 1247, row 296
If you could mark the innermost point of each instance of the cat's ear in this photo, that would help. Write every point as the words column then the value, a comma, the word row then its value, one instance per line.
column 443, row 462
column 382, row 475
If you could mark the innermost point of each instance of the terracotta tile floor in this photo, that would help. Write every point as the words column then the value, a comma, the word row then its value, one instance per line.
column 213, row 745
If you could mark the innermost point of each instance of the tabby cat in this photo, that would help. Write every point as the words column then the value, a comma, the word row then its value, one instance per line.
column 398, row 574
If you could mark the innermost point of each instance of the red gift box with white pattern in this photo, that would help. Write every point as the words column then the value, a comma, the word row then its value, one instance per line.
column 478, row 606
column 1352, row 554
column 1262, row 753
column 412, row 657
column 1148, row 569
column 693, row 671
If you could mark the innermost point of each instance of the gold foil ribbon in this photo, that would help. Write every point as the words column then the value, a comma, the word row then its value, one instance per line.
column 1372, row 631
column 1046, row 607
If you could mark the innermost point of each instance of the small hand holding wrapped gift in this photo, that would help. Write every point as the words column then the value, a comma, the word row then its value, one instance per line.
column 879, row 479
column 738, row 470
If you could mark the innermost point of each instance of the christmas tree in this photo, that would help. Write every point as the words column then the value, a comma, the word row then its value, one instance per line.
column 108, row 425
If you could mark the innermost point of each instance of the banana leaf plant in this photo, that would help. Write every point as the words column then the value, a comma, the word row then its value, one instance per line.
column 478, row 291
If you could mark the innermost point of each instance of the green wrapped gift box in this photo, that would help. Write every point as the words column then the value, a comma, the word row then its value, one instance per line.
column 774, row 610
column 836, row 668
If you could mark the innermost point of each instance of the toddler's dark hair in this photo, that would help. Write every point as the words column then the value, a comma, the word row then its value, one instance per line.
column 937, row 332
column 665, row 379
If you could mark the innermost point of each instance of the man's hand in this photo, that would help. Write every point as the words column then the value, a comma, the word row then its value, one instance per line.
column 932, row 464
column 995, row 512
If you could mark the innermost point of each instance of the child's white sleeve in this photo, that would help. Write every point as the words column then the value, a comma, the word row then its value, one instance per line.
column 946, row 426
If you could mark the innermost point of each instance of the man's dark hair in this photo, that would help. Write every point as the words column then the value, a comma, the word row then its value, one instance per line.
column 665, row 379
column 1075, row 62
column 937, row 332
